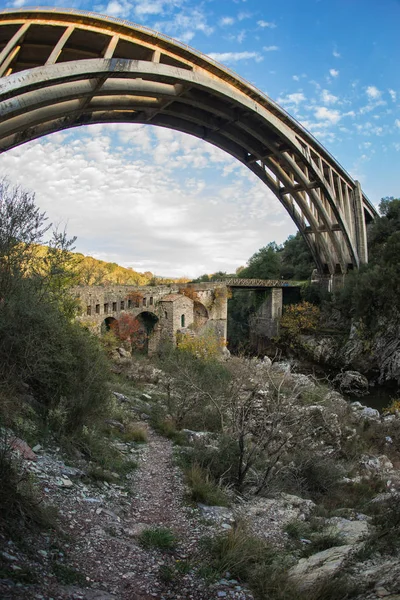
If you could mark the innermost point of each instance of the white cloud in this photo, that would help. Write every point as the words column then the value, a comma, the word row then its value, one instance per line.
column 393, row 95
column 268, row 24
column 227, row 21
column 333, row 72
column 336, row 54
column 397, row 123
column 182, row 218
column 295, row 99
column 328, row 98
column 118, row 9
column 233, row 57
column 327, row 114
column 185, row 26
column 270, row 48
column 373, row 93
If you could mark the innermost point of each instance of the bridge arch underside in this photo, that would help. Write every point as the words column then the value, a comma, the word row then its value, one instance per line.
column 65, row 69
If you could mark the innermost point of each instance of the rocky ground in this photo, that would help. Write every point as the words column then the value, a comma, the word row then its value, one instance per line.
column 97, row 552
column 98, row 555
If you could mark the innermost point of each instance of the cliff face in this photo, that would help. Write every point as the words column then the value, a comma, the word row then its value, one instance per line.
column 377, row 355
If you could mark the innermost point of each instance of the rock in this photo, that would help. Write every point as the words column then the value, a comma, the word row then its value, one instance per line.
column 22, row 448
column 136, row 530
column 64, row 482
column 352, row 382
column 196, row 436
column 115, row 424
column 124, row 353
column 380, row 464
column 320, row 349
column 121, row 397
column 370, row 413
column 320, row 566
column 36, row 448
column 217, row 513
column 303, row 504
column 8, row 557
column 145, row 396
column 225, row 353
column 267, row 361
column 351, row 531
column 72, row 472
column 381, row 592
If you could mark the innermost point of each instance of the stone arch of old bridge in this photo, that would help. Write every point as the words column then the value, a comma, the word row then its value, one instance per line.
column 159, row 309
column 65, row 68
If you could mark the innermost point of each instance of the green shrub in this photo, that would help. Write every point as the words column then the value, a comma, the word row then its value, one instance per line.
column 68, row 575
column 20, row 502
column 203, row 489
column 135, row 433
column 322, row 541
column 311, row 475
column 160, row 538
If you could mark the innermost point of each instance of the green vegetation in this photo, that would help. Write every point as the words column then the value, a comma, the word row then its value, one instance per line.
column 292, row 260
column 54, row 374
column 265, row 569
column 160, row 538
column 20, row 502
column 370, row 294
column 203, row 488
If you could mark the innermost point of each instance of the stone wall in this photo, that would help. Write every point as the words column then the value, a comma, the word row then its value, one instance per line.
column 99, row 303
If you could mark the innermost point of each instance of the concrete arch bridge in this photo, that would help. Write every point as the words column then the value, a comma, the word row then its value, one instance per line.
column 65, row 68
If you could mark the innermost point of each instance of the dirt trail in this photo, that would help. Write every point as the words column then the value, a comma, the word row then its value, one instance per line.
column 103, row 524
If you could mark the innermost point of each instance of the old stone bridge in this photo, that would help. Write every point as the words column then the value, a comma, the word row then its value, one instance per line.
column 162, row 312
column 64, row 68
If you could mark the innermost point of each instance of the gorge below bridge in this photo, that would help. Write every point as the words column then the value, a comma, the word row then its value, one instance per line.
column 64, row 68
column 162, row 312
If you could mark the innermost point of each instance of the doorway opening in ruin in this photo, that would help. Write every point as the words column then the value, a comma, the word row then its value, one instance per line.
column 144, row 336
column 109, row 324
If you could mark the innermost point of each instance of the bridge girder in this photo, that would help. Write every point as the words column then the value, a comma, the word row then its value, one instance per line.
column 62, row 69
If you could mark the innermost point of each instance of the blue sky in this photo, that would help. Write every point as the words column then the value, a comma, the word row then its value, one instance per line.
column 161, row 201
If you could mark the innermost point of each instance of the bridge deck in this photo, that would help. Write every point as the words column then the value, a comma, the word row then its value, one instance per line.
column 237, row 282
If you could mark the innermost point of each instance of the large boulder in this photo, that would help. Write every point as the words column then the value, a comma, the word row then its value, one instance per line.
column 352, row 383
column 351, row 531
column 319, row 567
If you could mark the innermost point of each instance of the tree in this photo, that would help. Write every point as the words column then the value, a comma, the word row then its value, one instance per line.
column 371, row 293
column 264, row 264
column 297, row 261
column 42, row 348
column 22, row 227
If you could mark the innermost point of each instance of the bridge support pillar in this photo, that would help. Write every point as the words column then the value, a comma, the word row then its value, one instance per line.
column 359, row 224
column 265, row 322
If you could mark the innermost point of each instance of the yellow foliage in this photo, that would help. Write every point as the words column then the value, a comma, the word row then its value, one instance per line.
column 189, row 292
column 299, row 318
column 393, row 407
column 207, row 346
column 221, row 294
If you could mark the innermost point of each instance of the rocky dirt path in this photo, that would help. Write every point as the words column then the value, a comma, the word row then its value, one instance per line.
column 102, row 545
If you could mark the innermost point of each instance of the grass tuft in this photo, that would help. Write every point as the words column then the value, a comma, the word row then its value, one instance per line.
column 203, row 489
column 160, row 538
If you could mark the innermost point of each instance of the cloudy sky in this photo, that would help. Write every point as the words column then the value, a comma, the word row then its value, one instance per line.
column 161, row 201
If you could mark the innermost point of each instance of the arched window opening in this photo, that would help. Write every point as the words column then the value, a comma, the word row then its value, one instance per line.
column 182, row 320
